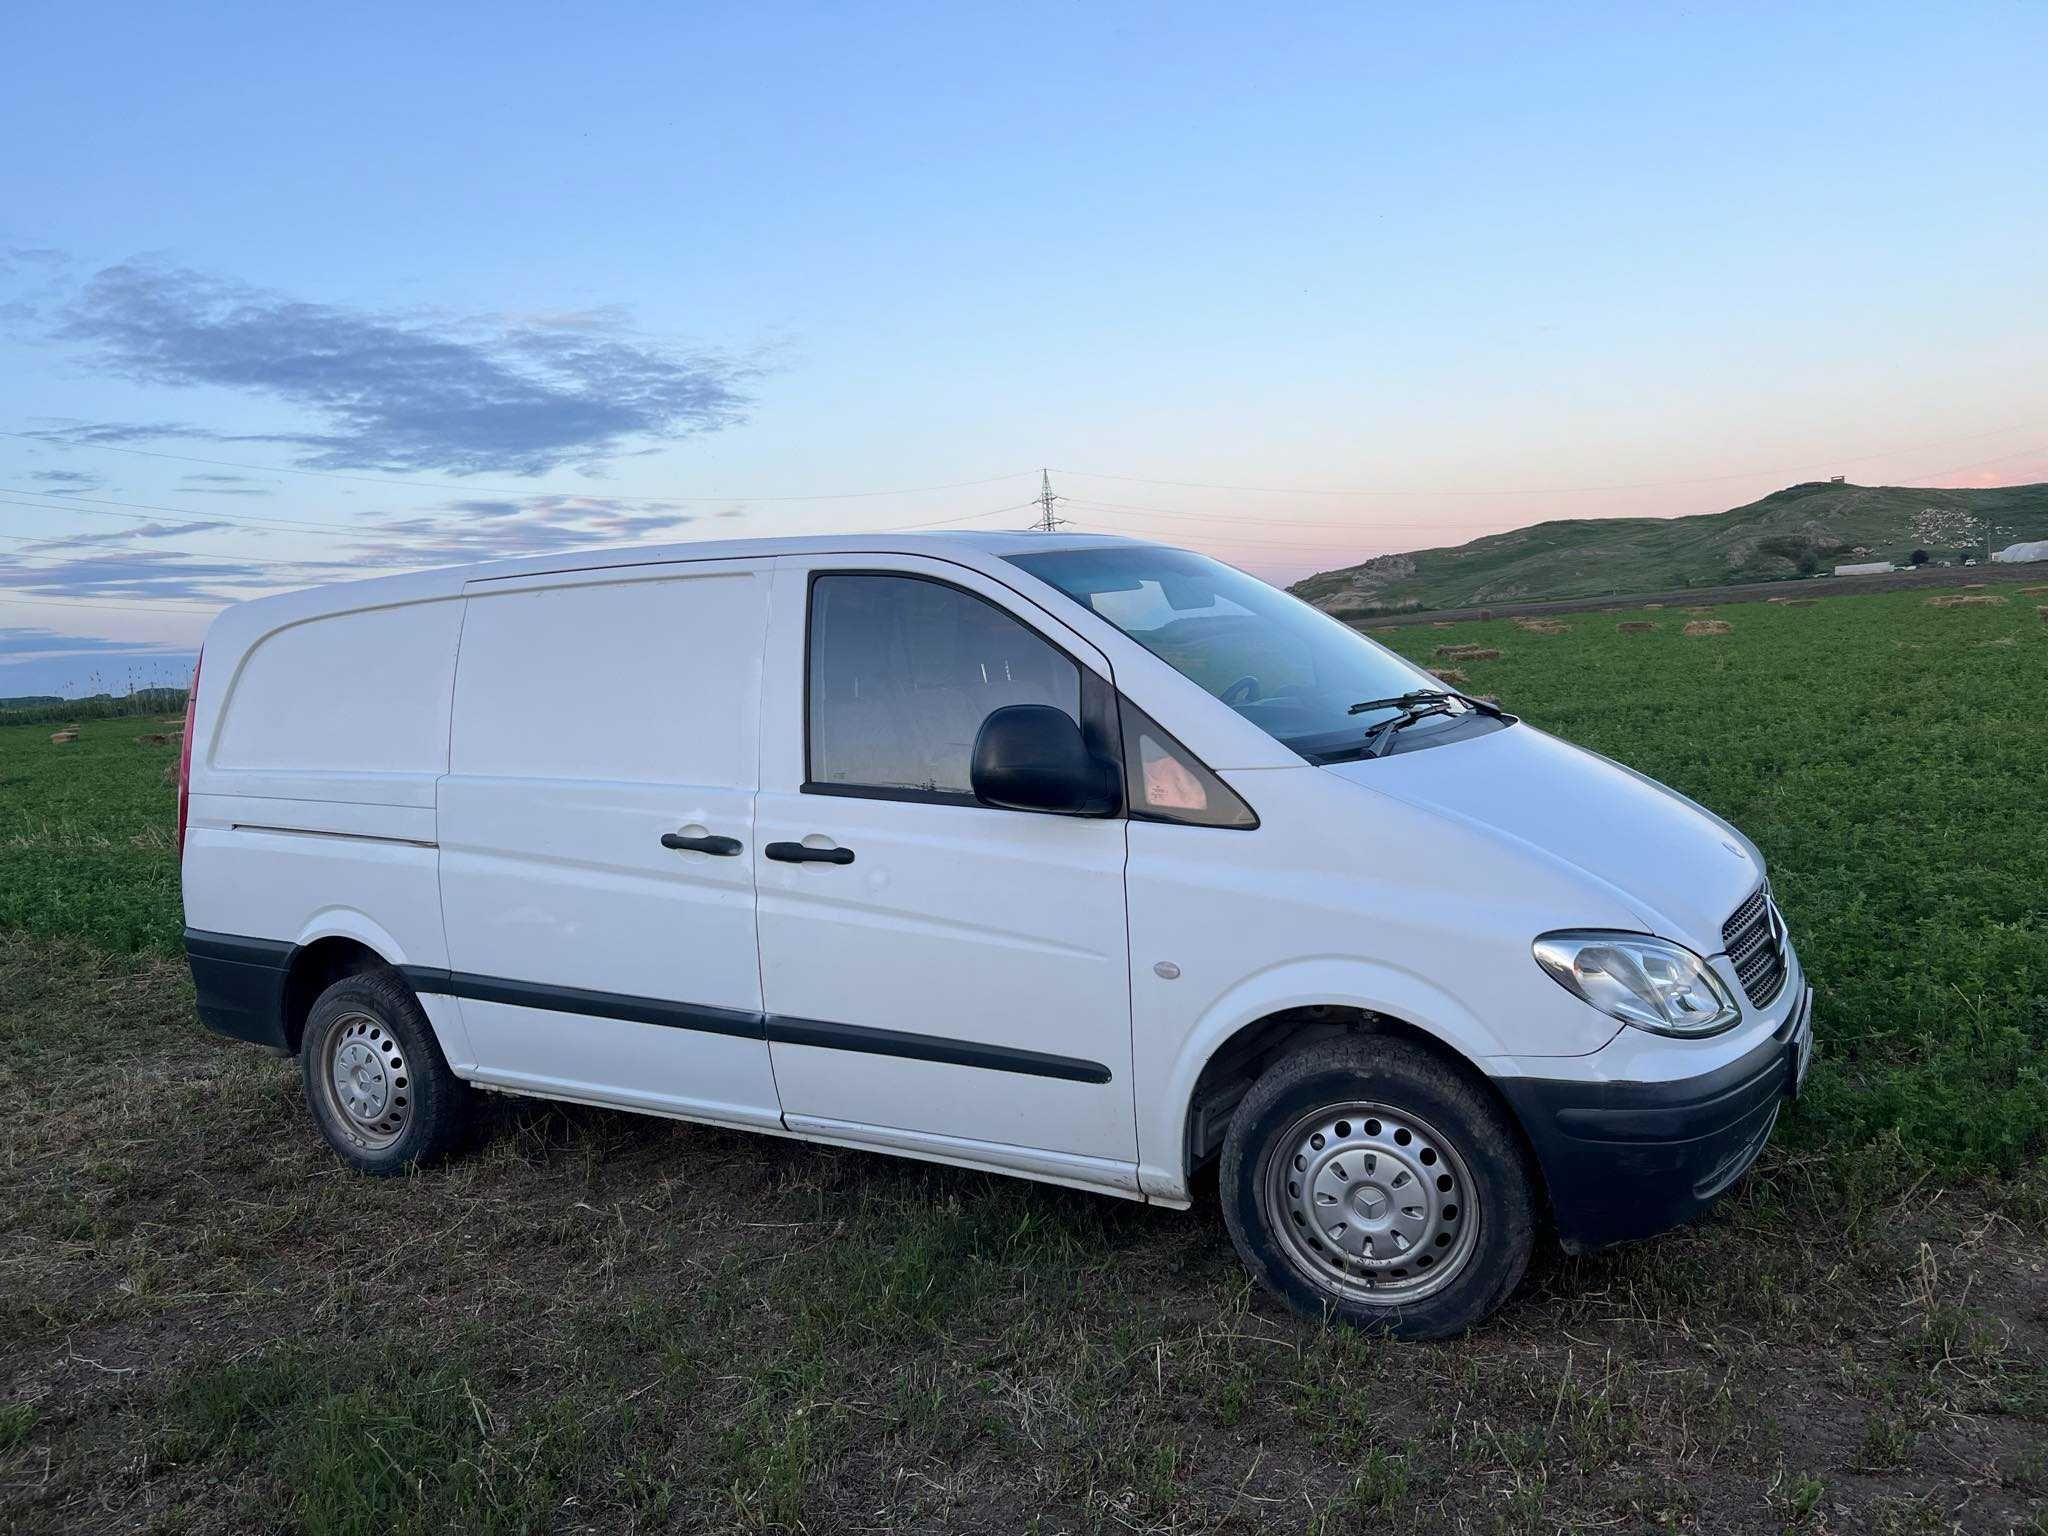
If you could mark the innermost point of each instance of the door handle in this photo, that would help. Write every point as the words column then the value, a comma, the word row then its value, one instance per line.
column 724, row 847
column 797, row 853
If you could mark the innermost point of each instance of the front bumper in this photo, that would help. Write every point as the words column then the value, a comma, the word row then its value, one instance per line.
column 1626, row 1160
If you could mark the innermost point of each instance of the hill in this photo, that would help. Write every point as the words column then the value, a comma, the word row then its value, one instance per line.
column 1801, row 530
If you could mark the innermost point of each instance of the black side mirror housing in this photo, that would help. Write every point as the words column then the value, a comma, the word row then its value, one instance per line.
column 1032, row 757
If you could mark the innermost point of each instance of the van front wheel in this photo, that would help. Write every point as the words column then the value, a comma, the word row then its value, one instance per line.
column 376, row 1081
column 1367, row 1180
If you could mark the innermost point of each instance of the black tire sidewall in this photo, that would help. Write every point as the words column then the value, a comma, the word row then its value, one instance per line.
column 1403, row 1077
column 439, row 1097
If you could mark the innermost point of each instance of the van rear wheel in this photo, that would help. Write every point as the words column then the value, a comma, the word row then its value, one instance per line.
column 376, row 1081
column 1367, row 1180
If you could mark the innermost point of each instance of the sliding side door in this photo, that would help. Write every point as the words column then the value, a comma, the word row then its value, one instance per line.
column 597, row 837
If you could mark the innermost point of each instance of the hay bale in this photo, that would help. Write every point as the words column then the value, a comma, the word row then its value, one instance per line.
column 58, row 738
column 1710, row 627
column 1485, row 614
column 153, row 739
column 1442, row 624
column 1703, row 608
column 1636, row 627
column 1653, row 605
column 1466, row 653
column 2034, row 591
column 1543, row 626
column 2043, row 611
column 1798, row 602
column 1963, row 600
column 1448, row 675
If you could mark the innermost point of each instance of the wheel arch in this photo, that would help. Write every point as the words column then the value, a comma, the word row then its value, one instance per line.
column 1229, row 1067
column 312, row 969
column 338, row 941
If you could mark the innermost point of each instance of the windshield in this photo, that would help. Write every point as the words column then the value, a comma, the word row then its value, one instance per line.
column 1290, row 669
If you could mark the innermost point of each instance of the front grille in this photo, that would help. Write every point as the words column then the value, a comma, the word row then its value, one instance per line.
column 1753, row 948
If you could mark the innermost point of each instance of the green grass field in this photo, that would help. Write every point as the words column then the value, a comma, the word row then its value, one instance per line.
column 598, row 1321
column 1889, row 758
column 87, row 834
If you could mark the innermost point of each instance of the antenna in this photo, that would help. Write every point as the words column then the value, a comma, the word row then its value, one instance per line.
column 1046, row 502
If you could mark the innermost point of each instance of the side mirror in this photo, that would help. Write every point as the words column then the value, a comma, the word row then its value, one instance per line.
column 1032, row 757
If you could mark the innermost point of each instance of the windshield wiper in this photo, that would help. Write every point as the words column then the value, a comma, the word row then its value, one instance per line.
column 1428, row 696
column 1405, row 701
column 1381, row 737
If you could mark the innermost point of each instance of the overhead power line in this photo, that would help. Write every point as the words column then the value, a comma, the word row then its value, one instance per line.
column 1558, row 490
column 1242, row 520
column 11, row 595
column 139, row 509
column 470, row 488
column 147, row 512
column 145, row 604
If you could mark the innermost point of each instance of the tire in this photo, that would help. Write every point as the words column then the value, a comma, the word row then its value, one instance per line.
column 376, row 1081
column 1367, row 1180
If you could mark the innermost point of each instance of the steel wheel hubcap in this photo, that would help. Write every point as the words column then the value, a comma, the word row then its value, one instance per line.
column 367, row 1084
column 1371, row 1203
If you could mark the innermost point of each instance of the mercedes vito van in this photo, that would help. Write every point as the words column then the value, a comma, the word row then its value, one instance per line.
column 1077, row 858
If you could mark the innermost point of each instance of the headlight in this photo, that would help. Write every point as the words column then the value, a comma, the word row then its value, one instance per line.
column 1650, row 983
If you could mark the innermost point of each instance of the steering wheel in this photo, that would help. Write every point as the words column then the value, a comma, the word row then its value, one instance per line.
column 1245, row 690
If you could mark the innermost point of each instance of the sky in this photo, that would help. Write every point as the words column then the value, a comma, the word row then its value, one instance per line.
column 291, row 297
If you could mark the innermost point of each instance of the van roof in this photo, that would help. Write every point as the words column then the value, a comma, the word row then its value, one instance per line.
column 262, row 613
column 904, row 541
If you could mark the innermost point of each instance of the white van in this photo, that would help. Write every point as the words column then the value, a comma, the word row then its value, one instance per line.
column 1078, row 858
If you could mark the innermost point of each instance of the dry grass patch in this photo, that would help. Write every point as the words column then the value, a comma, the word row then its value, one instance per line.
column 1636, row 627
column 1467, row 653
column 1964, row 600
column 1710, row 627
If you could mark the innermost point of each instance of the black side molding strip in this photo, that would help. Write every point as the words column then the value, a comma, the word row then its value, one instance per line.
column 959, row 1053
column 236, row 950
column 753, row 1026
column 603, row 1005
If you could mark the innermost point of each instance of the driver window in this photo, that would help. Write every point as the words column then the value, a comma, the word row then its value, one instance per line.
column 902, row 673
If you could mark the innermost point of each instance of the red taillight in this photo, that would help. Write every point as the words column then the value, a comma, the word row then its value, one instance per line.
column 185, row 752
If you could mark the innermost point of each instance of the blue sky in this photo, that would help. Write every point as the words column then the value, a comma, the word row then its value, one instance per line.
column 429, row 288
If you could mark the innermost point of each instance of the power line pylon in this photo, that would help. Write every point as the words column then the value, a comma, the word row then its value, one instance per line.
column 1047, row 522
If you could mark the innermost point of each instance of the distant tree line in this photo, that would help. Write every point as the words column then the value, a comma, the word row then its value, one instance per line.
column 41, row 708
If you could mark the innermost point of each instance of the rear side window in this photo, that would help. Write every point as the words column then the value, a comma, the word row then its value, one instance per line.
column 902, row 673
column 643, row 680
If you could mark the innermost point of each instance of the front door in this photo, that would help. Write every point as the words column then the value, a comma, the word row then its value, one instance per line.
column 597, row 839
column 938, row 976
